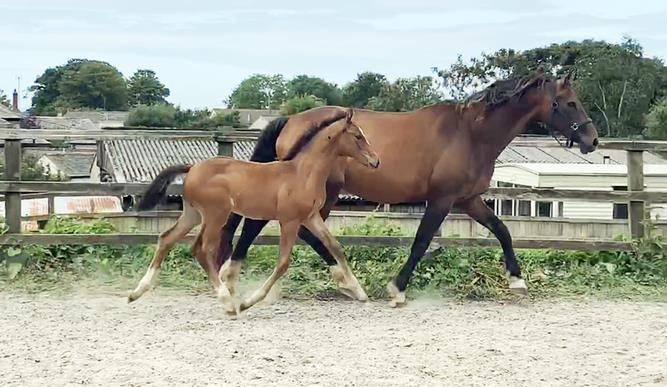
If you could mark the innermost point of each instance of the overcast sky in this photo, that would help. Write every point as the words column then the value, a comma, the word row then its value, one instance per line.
column 201, row 49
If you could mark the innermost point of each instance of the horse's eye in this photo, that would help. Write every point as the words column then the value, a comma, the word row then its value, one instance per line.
column 555, row 104
column 572, row 104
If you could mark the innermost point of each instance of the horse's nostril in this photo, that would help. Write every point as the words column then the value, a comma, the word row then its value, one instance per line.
column 596, row 142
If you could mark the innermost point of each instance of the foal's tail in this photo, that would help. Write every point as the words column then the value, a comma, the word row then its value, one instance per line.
column 158, row 187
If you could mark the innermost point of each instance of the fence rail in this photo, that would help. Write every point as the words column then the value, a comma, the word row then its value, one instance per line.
column 13, row 189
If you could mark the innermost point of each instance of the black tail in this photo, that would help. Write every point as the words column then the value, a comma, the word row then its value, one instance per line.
column 158, row 187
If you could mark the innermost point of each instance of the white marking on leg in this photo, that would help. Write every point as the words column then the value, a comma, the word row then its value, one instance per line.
column 144, row 285
column 397, row 296
column 518, row 285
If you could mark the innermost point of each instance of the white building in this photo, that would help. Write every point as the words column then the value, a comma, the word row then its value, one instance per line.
column 603, row 170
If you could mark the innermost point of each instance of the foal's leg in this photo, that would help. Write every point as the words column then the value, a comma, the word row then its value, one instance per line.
column 186, row 222
column 288, row 233
column 435, row 213
column 348, row 283
column 214, row 219
column 478, row 210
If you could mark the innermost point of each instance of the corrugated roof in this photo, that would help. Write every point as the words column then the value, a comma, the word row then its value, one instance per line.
column 554, row 155
column 142, row 160
column 585, row 169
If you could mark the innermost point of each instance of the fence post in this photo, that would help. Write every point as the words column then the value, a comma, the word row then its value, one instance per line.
column 225, row 147
column 13, row 173
column 636, row 183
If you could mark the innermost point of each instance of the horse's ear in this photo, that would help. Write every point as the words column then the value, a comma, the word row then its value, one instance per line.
column 348, row 115
column 567, row 81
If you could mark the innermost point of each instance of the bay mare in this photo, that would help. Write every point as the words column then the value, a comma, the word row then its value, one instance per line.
column 291, row 191
column 443, row 154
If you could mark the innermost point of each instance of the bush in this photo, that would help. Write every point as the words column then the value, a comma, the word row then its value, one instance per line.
column 153, row 116
column 300, row 104
column 476, row 273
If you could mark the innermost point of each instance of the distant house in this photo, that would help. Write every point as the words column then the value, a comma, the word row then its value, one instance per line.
column 100, row 119
column 9, row 118
column 73, row 165
column 247, row 116
column 262, row 122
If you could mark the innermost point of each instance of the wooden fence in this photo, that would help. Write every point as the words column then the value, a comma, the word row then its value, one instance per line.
column 13, row 190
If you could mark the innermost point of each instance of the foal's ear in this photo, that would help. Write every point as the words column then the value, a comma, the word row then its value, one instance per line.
column 348, row 115
column 567, row 81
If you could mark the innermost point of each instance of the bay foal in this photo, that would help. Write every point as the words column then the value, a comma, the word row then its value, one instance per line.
column 292, row 191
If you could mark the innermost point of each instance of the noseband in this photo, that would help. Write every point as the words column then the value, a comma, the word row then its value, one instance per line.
column 574, row 126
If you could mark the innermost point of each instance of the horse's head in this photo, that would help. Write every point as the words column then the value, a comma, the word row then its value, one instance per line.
column 564, row 113
column 353, row 143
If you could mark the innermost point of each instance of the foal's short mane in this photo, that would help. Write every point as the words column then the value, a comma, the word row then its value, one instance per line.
column 502, row 91
column 308, row 136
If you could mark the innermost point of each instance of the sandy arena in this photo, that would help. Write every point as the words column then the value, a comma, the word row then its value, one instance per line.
column 177, row 339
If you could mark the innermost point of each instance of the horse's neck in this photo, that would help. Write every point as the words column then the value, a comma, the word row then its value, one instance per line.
column 502, row 126
column 315, row 162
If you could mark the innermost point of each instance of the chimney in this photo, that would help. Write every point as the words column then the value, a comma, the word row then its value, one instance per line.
column 15, row 101
column 606, row 160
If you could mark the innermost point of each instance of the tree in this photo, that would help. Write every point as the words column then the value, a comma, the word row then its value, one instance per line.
column 614, row 82
column 300, row 104
column 80, row 83
column 406, row 94
column 144, row 88
column 31, row 170
column 304, row 85
column 656, row 121
column 153, row 116
column 259, row 92
column 4, row 100
column 361, row 90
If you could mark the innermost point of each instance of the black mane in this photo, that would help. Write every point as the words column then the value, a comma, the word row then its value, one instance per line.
column 310, row 134
column 502, row 91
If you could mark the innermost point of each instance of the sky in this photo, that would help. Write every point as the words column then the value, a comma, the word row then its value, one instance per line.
column 202, row 49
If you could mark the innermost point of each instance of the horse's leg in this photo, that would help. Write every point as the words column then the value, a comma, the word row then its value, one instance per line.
column 214, row 220
column 227, row 237
column 347, row 282
column 288, row 233
column 435, row 213
column 478, row 210
column 186, row 222
column 342, row 274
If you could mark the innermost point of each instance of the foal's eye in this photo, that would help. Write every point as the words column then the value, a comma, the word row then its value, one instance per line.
column 571, row 104
column 359, row 137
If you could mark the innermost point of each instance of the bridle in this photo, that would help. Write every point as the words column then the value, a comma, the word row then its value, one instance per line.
column 574, row 126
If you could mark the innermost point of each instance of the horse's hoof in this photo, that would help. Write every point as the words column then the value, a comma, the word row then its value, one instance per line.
column 518, row 286
column 397, row 296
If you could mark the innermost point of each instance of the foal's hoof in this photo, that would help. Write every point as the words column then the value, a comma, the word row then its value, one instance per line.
column 397, row 296
column 518, row 286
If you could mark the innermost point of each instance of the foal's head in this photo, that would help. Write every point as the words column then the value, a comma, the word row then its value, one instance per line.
column 562, row 111
column 352, row 142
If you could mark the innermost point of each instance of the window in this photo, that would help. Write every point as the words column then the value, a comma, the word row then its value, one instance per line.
column 620, row 209
column 544, row 209
column 524, row 208
column 506, row 207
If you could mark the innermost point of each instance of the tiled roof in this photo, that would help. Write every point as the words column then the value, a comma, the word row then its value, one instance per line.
column 142, row 160
column 48, row 122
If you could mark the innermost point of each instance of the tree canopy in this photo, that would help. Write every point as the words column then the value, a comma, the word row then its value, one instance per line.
column 81, row 83
column 259, row 91
column 144, row 88
column 616, row 84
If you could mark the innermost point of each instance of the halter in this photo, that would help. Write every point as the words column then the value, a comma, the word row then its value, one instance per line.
column 574, row 126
